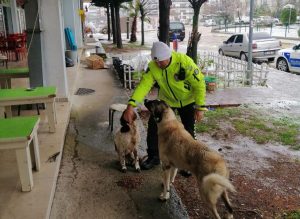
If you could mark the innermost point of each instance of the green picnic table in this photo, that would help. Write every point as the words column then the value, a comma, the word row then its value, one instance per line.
column 6, row 74
column 17, row 134
column 20, row 96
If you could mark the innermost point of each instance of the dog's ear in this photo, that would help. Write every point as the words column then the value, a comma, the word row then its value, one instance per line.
column 125, row 129
column 124, row 124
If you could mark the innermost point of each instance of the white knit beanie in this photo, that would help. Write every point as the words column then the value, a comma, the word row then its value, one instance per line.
column 160, row 51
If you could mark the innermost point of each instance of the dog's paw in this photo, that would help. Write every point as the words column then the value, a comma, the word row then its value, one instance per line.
column 124, row 169
column 229, row 216
column 137, row 167
column 171, row 184
column 164, row 197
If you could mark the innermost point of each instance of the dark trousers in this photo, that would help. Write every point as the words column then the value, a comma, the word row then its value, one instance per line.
column 186, row 114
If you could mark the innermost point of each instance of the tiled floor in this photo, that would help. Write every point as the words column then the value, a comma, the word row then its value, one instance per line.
column 35, row 204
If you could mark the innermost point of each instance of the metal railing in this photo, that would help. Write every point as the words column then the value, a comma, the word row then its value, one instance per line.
column 228, row 72
column 132, row 63
column 231, row 72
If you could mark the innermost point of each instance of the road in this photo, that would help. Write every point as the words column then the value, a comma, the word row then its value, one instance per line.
column 209, row 41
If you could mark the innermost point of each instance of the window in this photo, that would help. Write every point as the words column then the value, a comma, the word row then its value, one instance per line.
column 239, row 39
column 231, row 39
column 297, row 47
column 176, row 25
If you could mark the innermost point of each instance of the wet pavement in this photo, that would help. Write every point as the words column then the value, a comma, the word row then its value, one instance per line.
column 90, row 184
column 280, row 95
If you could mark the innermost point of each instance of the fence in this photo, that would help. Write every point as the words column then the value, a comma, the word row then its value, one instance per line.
column 231, row 72
column 130, row 67
column 228, row 72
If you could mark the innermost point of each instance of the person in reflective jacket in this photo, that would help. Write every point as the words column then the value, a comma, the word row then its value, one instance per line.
column 181, row 86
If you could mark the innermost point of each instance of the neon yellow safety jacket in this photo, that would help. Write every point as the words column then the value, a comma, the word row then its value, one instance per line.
column 174, row 90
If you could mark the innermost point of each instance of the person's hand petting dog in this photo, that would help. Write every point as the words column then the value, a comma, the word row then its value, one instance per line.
column 129, row 114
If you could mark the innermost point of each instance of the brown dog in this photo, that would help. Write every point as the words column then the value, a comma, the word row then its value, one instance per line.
column 126, row 139
column 178, row 149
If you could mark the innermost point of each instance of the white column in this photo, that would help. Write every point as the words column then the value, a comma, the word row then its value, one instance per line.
column 52, row 37
column 78, row 26
column 14, row 16
column 70, row 12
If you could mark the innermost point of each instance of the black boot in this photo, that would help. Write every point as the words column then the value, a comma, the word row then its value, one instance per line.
column 150, row 163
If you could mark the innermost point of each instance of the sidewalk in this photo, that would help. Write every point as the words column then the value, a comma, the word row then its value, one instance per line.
column 90, row 183
column 37, row 203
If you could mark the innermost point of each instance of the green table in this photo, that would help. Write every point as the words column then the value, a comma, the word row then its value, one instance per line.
column 17, row 134
column 7, row 74
column 19, row 96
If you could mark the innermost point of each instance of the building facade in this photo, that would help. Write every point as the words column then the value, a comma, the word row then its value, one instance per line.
column 43, row 22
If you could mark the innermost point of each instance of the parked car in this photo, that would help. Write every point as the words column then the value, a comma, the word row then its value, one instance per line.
column 209, row 22
column 267, row 20
column 177, row 29
column 242, row 20
column 289, row 59
column 264, row 47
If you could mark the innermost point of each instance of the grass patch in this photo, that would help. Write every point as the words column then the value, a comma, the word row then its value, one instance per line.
column 290, row 215
column 213, row 117
column 251, row 123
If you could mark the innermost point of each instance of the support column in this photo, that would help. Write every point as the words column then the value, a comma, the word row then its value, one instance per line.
column 70, row 12
column 14, row 16
column 78, row 24
column 53, row 46
column 35, row 61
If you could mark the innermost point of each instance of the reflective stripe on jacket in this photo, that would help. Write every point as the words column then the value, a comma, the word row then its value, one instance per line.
column 175, row 92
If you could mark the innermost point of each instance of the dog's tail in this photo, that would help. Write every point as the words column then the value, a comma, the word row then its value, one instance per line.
column 209, row 182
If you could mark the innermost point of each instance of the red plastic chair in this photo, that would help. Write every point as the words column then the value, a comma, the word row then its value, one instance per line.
column 16, row 46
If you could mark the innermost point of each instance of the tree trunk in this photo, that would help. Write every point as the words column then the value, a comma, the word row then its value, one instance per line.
column 118, row 27
column 108, row 21
column 142, row 30
column 113, row 22
column 164, row 21
column 133, row 30
column 195, row 36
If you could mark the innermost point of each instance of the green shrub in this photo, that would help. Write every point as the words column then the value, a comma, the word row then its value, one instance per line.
column 288, row 16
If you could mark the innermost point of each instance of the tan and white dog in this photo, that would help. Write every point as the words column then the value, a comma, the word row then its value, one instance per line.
column 178, row 149
column 126, row 140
